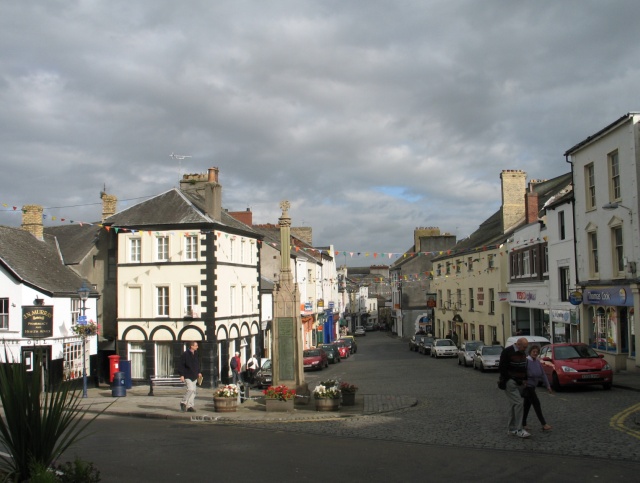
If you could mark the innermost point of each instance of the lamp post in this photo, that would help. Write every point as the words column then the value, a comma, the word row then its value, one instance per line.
column 83, row 293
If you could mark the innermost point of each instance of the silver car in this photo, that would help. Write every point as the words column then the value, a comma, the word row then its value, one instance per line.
column 487, row 357
column 444, row 348
column 467, row 351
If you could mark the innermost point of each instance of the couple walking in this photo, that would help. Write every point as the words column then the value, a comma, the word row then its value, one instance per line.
column 519, row 376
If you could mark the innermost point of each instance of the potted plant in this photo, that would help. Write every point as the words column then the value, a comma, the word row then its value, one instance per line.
column 348, row 393
column 279, row 398
column 327, row 396
column 225, row 398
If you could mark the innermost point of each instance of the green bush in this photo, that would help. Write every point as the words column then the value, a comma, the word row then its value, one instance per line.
column 36, row 428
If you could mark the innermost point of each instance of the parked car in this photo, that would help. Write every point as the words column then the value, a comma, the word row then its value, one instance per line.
column 264, row 375
column 359, row 331
column 353, row 346
column 333, row 353
column 487, row 357
column 414, row 342
column 532, row 339
column 315, row 359
column 370, row 327
column 467, row 351
column 344, row 348
column 425, row 346
column 574, row 364
column 444, row 348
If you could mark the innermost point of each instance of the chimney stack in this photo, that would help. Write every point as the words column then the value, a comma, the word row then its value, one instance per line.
column 213, row 195
column 514, row 187
column 245, row 217
column 32, row 220
column 109, row 203
column 531, row 203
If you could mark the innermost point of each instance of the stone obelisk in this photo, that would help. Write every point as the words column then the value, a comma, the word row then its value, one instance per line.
column 288, row 367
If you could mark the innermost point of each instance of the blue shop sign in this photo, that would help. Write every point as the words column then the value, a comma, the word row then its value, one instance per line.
column 608, row 296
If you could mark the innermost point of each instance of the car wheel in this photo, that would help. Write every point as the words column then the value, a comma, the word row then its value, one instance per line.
column 606, row 386
column 459, row 363
column 555, row 382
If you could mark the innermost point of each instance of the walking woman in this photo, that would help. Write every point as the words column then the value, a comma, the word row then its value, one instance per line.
column 535, row 375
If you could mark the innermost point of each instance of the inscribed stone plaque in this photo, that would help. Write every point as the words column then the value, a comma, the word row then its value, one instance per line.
column 285, row 348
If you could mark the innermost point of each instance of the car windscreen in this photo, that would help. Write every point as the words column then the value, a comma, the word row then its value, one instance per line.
column 492, row 350
column 472, row 346
column 574, row 352
column 444, row 342
column 311, row 353
column 266, row 365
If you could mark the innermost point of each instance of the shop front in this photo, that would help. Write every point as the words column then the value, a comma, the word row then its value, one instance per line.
column 529, row 312
column 565, row 325
column 608, row 315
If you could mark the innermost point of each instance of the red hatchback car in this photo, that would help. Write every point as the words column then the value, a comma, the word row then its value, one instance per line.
column 575, row 365
column 315, row 359
column 344, row 347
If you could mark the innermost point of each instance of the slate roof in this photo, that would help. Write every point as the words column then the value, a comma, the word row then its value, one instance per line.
column 491, row 231
column 37, row 263
column 271, row 235
column 174, row 208
column 75, row 241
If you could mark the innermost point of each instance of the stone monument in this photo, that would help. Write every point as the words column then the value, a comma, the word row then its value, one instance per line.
column 288, row 366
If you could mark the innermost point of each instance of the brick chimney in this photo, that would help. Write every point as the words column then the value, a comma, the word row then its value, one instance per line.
column 531, row 204
column 32, row 220
column 109, row 204
column 213, row 195
column 514, row 187
column 245, row 217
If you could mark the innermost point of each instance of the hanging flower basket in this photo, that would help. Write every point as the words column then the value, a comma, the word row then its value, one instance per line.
column 87, row 330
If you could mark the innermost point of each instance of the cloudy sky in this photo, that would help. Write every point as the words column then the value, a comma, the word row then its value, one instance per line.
column 371, row 117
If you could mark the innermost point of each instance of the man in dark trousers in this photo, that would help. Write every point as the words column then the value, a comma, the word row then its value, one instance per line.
column 513, row 375
column 236, row 367
column 189, row 370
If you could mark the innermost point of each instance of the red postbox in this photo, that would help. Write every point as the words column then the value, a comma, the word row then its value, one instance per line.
column 114, row 366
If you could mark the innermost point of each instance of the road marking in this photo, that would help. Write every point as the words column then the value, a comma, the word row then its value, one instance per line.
column 618, row 421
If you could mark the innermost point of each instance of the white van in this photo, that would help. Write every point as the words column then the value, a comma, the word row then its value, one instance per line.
column 533, row 340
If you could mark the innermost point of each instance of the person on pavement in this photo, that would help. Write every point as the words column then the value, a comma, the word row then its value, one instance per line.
column 189, row 371
column 252, row 367
column 535, row 375
column 513, row 375
column 236, row 367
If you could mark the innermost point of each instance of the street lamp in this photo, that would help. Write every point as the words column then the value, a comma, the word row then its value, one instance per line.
column 83, row 293
column 615, row 205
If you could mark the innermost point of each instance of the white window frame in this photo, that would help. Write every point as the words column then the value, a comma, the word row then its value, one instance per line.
column 614, row 176
column 191, row 300
column 137, row 356
column 492, row 301
column 4, row 313
column 162, row 301
column 76, row 308
column 135, row 250
column 526, row 264
column 191, row 247
column 162, row 248
column 592, row 243
column 617, row 250
column 472, row 302
column 590, row 186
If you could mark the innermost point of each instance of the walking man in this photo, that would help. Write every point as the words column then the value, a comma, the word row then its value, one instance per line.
column 189, row 371
column 236, row 367
column 513, row 375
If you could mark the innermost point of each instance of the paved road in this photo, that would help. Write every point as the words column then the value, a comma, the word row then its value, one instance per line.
column 462, row 407
column 456, row 432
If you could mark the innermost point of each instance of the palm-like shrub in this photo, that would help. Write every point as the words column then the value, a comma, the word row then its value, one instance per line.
column 36, row 427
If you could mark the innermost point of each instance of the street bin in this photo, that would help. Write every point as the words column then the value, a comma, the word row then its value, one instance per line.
column 118, row 388
column 114, row 366
column 125, row 366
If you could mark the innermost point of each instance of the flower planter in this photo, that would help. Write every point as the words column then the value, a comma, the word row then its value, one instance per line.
column 327, row 404
column 225, row 404
column 348, row 398
column 278, row 405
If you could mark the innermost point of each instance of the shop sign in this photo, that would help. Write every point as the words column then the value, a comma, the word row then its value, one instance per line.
column 321, row 303
column 575, row 298
column 37, row 321
column 612, row 296
column 560, row 316
column 523, row 296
